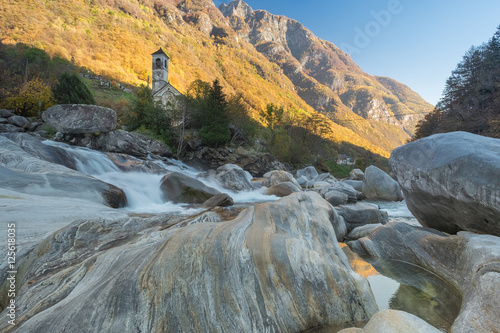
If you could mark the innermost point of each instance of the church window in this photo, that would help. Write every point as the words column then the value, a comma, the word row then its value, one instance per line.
column 158, row 63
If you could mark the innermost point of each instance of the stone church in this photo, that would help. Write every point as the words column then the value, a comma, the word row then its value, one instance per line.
column 162, row 89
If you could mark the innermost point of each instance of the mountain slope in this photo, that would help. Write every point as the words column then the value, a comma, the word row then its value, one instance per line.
column 115, row 38
column 327, row 78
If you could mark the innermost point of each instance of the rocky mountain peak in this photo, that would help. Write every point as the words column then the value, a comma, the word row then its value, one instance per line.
column 236, row 8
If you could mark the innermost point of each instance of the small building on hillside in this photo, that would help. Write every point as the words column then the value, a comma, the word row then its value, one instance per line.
column 344, row 159
column 162, row 89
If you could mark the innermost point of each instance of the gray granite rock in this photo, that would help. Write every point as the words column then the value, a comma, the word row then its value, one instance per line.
column 221, row 200
column 282, row 189
column 9, row 128
column 378, row 185
column 19, row 121
column 80, row 118
column 361, row 214
column 309, row 172
column 5, row 113
column 180, row 188
column 451, row 181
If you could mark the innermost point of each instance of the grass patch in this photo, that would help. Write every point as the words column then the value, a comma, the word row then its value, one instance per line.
column 338, row 170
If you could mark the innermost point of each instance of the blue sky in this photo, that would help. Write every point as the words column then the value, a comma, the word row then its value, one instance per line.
column 417, row 42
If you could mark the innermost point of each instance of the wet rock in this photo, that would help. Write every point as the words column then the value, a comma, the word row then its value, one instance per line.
column 179, row 188
column 469, row 262
column 282, row 189
column 29, row 174
column 451, row 181
column 276, row 267
column 361, row 214
column 80, row 118
column 378, row 185
column 356, row 174
column 232, row 177
column 279, row 176
column 3, row 121
column 221, row 200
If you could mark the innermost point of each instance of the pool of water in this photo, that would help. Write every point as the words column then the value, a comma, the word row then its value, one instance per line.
column 403, row 286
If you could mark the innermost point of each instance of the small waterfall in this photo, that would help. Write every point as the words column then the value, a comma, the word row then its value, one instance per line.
column 143, row 188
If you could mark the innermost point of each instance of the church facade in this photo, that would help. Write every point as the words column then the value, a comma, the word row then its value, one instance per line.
column 162, row 89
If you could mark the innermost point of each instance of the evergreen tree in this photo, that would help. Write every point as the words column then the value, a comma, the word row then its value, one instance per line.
column 71, row 90
column 215, row 130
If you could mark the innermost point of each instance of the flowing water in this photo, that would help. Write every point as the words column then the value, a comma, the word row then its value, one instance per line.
column 143, row 188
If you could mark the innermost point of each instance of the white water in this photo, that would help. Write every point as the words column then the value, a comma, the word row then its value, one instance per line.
column 142, row 188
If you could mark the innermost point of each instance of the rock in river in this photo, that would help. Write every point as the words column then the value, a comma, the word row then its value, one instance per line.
column 451, row 181
column 468, row 261
column 277, row 267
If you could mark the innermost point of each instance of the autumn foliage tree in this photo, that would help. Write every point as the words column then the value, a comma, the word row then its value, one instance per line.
column 30, row 98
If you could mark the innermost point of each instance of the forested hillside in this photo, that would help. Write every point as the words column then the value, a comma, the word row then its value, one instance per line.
column 471, row 98
column 115, row 39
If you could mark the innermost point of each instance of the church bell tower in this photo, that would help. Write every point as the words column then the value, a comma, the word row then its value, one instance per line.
column 160, row 70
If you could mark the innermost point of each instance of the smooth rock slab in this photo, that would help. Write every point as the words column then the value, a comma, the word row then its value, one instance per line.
column 451, row 181
column 19, row 121
column 277, row 267
column 80, row 118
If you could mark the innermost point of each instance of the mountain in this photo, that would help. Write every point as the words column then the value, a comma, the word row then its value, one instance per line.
column 266, row 58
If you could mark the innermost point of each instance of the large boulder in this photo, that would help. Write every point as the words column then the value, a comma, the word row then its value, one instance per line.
column 468, row 262
column 361, row 214
column 135, row 144
column 451, row 181
column 343, row 187
column 378, row 185
column 180, row 188
column 309, row 172
column 277, row 267
column 282, row 189
column 80, row 118
column 279, row 176
column 336, row 198
column 232, row 177
column 19, row 121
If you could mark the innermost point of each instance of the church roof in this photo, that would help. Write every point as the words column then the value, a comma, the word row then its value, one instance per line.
column 160, row 51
